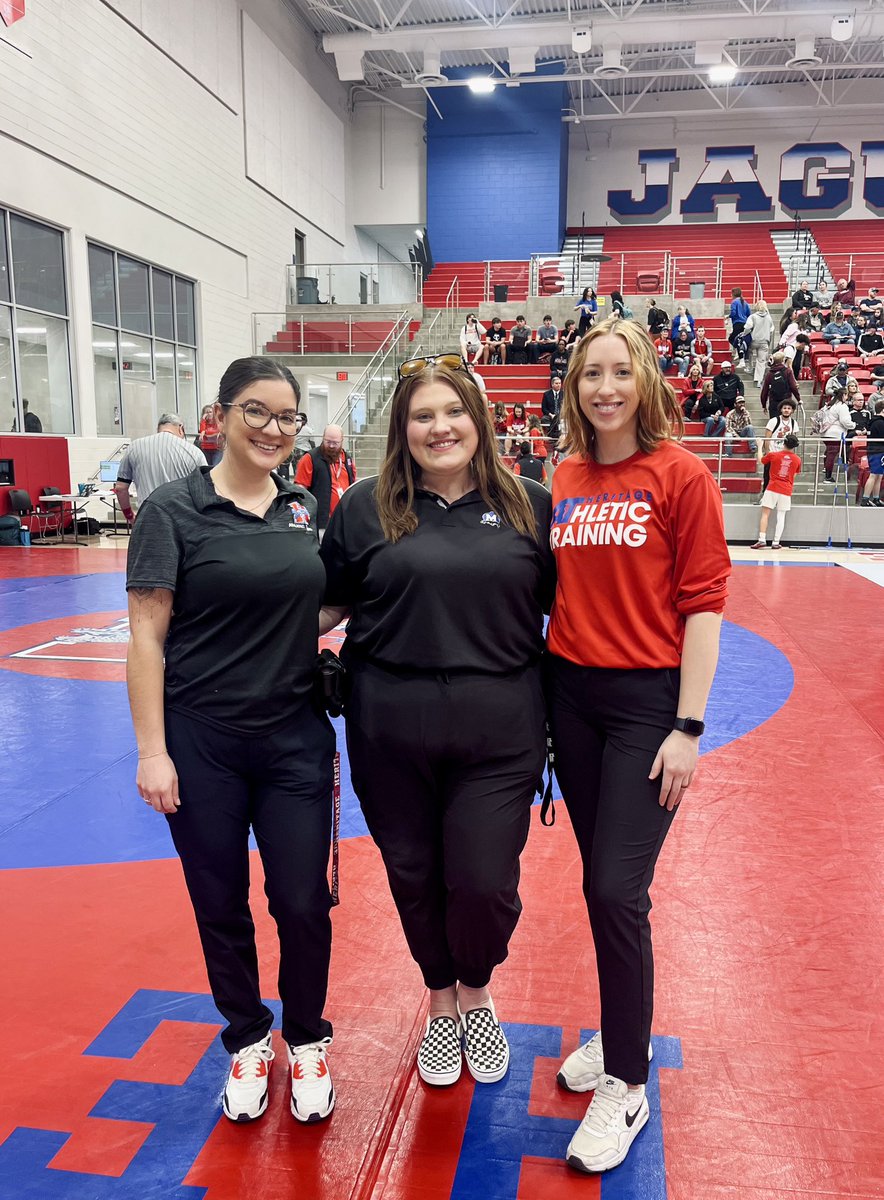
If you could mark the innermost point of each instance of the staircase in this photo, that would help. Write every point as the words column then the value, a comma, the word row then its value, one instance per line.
column 577, row 273
column 801, row 258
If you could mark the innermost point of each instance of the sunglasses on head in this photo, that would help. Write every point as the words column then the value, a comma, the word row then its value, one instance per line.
column 452, row 362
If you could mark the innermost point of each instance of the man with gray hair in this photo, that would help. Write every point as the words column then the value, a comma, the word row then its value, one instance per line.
column 158, row 458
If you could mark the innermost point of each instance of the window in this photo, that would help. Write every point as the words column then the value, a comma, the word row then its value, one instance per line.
column 36, row 394
column 143, row 343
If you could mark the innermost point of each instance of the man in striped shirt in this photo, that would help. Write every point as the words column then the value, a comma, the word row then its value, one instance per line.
column 156, row 459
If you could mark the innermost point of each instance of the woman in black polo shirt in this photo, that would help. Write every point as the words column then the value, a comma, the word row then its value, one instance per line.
column 444, row 563
column 225, row 580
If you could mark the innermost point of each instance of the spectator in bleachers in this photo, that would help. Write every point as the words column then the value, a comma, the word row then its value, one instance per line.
column 852, row 391
column 569, row 333
column 859, row 413
column 658, row 319
column 761, row 328
column 682, row 320
column 537, row 437
column 495, row 343
column 520, row 339
column 471, row 337
column 832, row 423
column 681, row 350
column 517, row 430
column 558, row 364
column 738, row 316
column 872, row 490
column 528, row 466
column 815, row 319
column 551, row 407
column 701, row 351
column 839, row 378
column 477, row 379
column 838, row 332
column 727, row 385
column 709, row 410
column 500, row 421
column 588, row 307
column 544, row 340
column 690, row 397
column 877, row 373
column 823, row 298
column 845, row 294
column 663, row 345
column 738, row 424
column 788, row 317
column 802, row 354
column 789, row 333
column 779, row 383
column 781, row 467
column 872, row 306
column 619, row 307
column 871, row 341
column 803, row 296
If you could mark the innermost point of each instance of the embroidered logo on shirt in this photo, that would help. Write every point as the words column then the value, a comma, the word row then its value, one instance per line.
column 492, row 519
column 300, row 516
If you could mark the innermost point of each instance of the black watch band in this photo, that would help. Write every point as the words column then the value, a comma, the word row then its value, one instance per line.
column 690, row 726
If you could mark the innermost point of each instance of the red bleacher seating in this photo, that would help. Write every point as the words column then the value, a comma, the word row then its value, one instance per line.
column 838, row 240
column 333, row 337
column 471, row 283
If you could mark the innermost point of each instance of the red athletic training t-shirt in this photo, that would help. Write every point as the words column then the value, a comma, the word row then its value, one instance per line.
column 639, row 546
column 784, row 466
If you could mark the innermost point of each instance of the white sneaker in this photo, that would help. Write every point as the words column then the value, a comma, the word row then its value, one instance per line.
column 245, row 1095
column 613, row 1119
column 581, row 1071
column 313, row 1094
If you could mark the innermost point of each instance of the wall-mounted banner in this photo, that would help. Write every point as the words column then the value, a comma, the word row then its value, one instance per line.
column 815, row 179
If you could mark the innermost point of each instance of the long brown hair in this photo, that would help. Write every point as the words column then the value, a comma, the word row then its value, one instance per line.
column 399, row 474
column 660, row 418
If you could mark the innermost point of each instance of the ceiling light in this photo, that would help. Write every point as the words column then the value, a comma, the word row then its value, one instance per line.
column 722, row 73
column 610, row 66
column 420, row 233
column 481, row 85
column 432, row 69
column 805, row 53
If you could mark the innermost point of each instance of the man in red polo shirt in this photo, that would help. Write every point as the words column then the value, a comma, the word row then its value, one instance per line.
column 327, row 472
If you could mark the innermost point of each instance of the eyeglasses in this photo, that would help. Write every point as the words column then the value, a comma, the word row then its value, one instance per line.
column 452, row 362
column 258, row 416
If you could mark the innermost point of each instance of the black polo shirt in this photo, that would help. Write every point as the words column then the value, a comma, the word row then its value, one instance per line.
column 247, row 593
column 464, row 592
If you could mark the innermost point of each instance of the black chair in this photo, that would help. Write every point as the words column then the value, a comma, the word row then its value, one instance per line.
column 48, row 520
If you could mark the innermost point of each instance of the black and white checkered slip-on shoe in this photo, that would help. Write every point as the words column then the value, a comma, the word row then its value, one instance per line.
column 439, row 1058
column 484, row 1044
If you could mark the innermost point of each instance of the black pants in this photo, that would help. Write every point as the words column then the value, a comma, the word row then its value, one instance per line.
column 607, row 726
column 280, row 785
column 445, row 768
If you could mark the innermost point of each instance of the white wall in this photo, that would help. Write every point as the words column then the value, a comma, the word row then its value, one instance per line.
column 604, row 155
column 195, row 134
column 386, row 165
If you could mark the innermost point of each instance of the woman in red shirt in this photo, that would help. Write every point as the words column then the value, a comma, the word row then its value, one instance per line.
column 209, row 435
column 642, row 563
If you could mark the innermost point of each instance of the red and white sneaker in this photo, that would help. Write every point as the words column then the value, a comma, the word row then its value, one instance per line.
column 313, row 1093
column 245, row 1095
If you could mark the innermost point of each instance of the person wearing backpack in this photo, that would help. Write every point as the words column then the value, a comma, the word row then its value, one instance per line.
column 832, row 423
column 739, row 314
column 779, row 382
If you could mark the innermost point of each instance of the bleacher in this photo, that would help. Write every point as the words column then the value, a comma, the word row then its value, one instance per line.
column 840, row 240
column 472, row 283
column 333, row 337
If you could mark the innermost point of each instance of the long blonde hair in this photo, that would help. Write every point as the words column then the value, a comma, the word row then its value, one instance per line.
column 399, row 475
column 659, row 418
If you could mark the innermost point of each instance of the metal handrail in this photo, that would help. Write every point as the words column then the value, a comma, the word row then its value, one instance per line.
column 373, row 270
column 375, row 363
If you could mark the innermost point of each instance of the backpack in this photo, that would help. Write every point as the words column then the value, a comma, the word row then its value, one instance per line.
column 779, row 384
column 627, row 312
column 821, row 421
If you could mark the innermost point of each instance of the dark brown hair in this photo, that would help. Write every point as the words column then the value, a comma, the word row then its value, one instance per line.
column 399, row 474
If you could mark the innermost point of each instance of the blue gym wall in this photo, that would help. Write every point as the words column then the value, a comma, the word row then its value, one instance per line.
column 497, row 171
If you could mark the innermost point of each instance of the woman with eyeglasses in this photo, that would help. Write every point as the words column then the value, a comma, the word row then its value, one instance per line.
column 443, row 564
column 225, row 585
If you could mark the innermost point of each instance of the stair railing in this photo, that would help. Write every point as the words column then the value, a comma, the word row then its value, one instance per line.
column 382, row 361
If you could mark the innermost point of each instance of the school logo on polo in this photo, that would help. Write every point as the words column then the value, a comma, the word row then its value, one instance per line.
column 300, row 516
column 491, row 519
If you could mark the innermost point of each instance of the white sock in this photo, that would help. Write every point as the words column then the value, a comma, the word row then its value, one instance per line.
column 781, row 521
column 762, row 538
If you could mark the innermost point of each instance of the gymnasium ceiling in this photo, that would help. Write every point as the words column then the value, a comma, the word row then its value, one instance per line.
column 638, row 58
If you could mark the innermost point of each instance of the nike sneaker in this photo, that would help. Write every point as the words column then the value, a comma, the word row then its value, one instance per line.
column 245, row 1094
column 313, row 1094
column 581, row 1071
column 613, row 1121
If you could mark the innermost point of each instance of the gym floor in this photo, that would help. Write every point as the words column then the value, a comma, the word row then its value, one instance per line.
column 766, row 1082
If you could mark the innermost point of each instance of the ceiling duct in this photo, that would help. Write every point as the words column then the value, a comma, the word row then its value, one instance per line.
column 431, row 75
column 805, row 53
column 611, row 65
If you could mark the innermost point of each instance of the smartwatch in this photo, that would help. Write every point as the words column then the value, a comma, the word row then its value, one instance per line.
column 689, row 725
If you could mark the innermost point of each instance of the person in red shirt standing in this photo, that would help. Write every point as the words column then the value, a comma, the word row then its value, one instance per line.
column 209, row 439
column 638, row 536
column 327, row 472
column 784, row 465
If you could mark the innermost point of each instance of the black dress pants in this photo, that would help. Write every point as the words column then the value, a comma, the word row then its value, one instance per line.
column 446, row 768
column 607, row 726
column 280, row 786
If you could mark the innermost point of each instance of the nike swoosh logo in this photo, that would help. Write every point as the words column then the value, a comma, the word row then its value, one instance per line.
column 631, row 1117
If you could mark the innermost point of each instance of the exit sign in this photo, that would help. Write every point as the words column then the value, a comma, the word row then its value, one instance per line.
column 342, row 376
